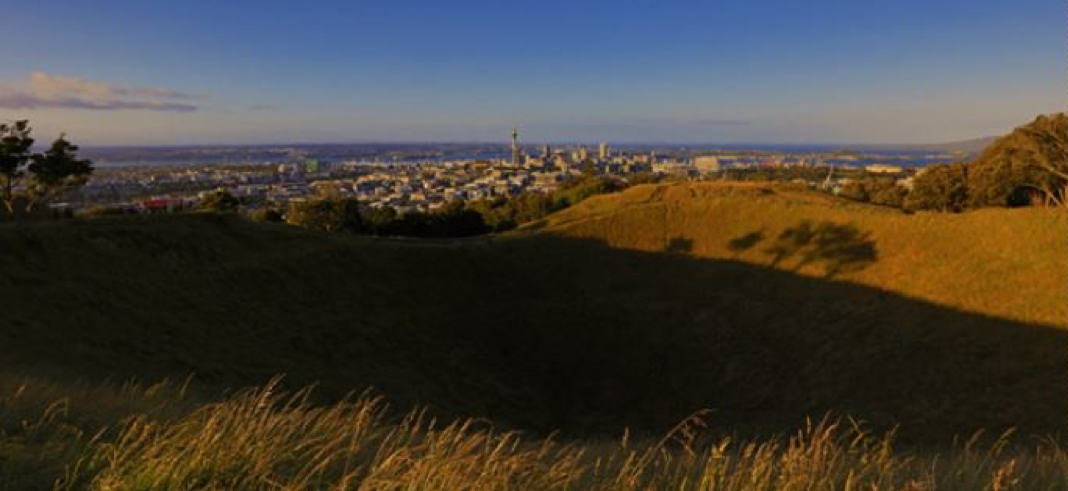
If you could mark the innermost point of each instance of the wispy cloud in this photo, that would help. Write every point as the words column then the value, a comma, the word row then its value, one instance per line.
column 719, row 122
column 670, row 122
column 42, row 90
column 257, row 108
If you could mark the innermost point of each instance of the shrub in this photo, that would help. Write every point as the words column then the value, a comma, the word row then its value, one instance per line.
column 941, row 187
column 220, row 201
column 875, row 189
column 267, row 214
column 326, row 215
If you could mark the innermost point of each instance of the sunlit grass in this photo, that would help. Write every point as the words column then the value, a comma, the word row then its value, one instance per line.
column 1007, row 263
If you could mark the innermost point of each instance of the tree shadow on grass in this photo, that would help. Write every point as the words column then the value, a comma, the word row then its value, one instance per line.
column 679, row 245
column 836, row 248
column 745, row 242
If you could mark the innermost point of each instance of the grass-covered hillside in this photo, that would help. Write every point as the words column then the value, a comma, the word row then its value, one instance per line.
column 764, row 305
column 634, row 310
column 1008, row 263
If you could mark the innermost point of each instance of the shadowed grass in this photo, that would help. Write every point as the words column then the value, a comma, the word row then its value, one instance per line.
column 550, row 332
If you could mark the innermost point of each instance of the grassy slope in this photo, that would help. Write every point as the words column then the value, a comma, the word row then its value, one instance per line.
column 1007, row 263
column 585, row 328
column 234, row 303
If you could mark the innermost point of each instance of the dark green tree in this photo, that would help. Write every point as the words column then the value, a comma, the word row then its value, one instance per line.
column 15, row 144
column 496, row 213
column 220, row 201
column 56, row 172
column 887, row 192
column 880, row 190
column 457, row 220
column 380, row 221
column 326, row 215
column 28, row 179
column 1048, row 144
column 267, row 214
column 941, row 187
column 856, row 191
column 1030, row 164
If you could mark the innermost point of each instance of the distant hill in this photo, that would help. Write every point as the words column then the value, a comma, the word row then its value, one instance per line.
column 765, row 304
column 971, row 147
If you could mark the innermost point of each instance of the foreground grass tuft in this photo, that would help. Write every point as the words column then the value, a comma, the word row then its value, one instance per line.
column 266, row 439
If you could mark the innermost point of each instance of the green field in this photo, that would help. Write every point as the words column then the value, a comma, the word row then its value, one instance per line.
column 763, row 305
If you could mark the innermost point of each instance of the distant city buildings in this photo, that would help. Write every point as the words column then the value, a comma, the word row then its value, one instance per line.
column 884, row 169
column 428, row 184
column 706, row 164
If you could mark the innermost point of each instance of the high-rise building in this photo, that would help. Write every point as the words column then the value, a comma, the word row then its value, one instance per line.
column 604, row 151
column 516, row 157
column 546, row 151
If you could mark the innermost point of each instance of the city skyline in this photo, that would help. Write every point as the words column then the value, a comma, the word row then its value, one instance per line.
column 124, row 73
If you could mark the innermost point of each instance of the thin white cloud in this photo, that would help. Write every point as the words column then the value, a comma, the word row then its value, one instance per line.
column 42, row 90
column 718, row 122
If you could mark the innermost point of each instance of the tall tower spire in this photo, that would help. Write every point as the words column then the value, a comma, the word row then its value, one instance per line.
column 515, row 146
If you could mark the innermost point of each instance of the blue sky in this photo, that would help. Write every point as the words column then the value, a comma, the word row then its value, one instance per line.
column 715, row 71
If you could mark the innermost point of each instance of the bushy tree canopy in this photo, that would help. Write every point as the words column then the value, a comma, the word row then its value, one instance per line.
column 1031, row 162
column 326, row 215
column 34, row 178
column 942, row 187
column 880, row 190
column 57, row 171
column 220, row 201
column 15, row 144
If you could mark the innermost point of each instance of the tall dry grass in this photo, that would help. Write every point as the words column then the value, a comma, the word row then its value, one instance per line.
column 265, row 439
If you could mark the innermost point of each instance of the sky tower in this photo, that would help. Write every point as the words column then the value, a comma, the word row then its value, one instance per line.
column 515, row 146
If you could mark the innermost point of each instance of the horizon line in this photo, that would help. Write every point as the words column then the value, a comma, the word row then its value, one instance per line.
column 529, row 143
